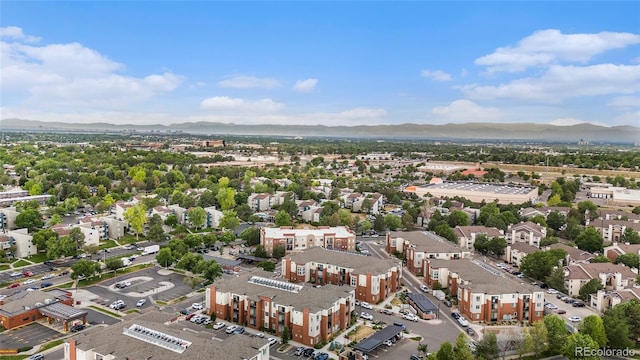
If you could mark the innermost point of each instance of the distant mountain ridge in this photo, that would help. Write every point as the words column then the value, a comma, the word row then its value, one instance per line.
column 468, row 131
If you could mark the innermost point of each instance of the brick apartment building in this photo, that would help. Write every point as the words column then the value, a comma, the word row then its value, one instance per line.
column 256, row 300
column 485, row 293
column 373, row 279
column 417, row 246
column 295, row 240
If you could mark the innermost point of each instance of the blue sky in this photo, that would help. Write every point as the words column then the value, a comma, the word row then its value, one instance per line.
column 332, row 63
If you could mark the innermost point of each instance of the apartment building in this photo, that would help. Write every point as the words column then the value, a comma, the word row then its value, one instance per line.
column 257, row 300
column 514, row 253
column 616, row 249
column 91, row 235
column 574, row 255
column 8, row 218
column 611, row 276
column 21, row 239
column 373, row 279
column 296, row 240
column 417, row 246
column 467, row 234
column 159, row 336
column 527, row 232
column 485, row 293
column 612, row 229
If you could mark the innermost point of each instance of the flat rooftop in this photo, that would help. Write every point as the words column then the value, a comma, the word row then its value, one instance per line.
column 482, row 187
column 428, row 242
column 338, row 231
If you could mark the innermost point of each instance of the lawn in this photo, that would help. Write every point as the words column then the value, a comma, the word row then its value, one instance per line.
column 38, row 258
column 65, row 285
column 51, row 344
column 4, row 267
column 96, row 308
column 107, row 244
column 20, row 263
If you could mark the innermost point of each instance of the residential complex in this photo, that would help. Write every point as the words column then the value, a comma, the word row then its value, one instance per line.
column 417, row 246
column 611, row 276
column 295, row 240
column 527, row 232
column 258, row 300
column 478, row 192
column 373, row 279
column 467, row 234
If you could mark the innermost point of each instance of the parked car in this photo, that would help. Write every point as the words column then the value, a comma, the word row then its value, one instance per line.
column 387, row 311
column 217, row 326
column 448, row 303
column 322, row 356
column 36, row 357
column 239, row 330
column 77, row 327
column 27, row 273
column 559, row 296
column 27, row 282
column 308, row 352
column 45, row 285
column 15, row 274
column 48, row 262
column 185, row 311
column 231, row 329
column 47, row 277
column 366, row 316
column 196, row 306
column 578, row 304
column 463, row 322
column 575, row 318
column 455, row 315
column 273, row 341
column 388, row 343
column 366, row 305
column 63, row 273
column 299, row 351
column 141, row 302
column 424, row 288
column 470, row 331
column 410, row 317
column 14, row 285
column 206, row 321
column 560, row 311
column 190, row 316
column 552, row 291
column 117, row 305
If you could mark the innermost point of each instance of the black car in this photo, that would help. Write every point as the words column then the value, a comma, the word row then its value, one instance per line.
column 48, row 262
column 455, row 315
column 184, row 311
column 78, row 327
column 559, row 296
column 308, row 352
column 470, row 331
column 45, row 284
column 578, row 304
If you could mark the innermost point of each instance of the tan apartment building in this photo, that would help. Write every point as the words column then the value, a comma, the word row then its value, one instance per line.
column 373, row 279
column 467, row 234
column 296, row 240
column 611, row 276
column 257, row 300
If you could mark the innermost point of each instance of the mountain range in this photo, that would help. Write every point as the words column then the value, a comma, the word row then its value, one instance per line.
column 468, row 131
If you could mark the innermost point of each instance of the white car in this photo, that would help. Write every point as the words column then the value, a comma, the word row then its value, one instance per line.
column 550, row 306
column 366, row 305
column 141, row 302
column 272, row 341
column 366, row 316
column 410, row 317
column 197, row 306
column 231, row 329
column 552, row 291
column 424, row 288
column 463, row 321
column 217, row 326
column 575, row 319
column 16, row 274
column 48, row 276
column 27, row 282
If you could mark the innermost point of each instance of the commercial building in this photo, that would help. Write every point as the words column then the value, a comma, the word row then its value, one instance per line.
column 417, row 246
column 258, row 300
column 28, row 306
column 485, row 293
column 159, row 336
column 373, row 279
column 295, row 240
column 479, row 192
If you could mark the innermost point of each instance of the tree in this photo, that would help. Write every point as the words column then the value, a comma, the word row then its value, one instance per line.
column 251, row 235
column 591, row 287
column 114, row 264
column 267, row 265
column 189, row 261
column 84, row 269
column 64, row 246
column 171, row 220
column 445, row 352
column 540, row 264
column 278, row 252
column 407, row 221
column 631, row 260
column 461, row 350
column 165, row 257
column 539, row 337
column 458, row 218
column 197, row 217
column 156, row 233
column 423, row 349
column 365, row 225
column 286, row 335
column 77, row 236
column 90, row 250
column 260, row 252
column 593, row 326
column 590, row 240
column 392, row 222
column 226, row 198
column 599, row 259
column 41, row 237
column 283, row 218
column 227, row 237
column 378, row 223
column 209, row 240
column 577, row 344
column 30, row 219
column 481, row 244
column 497, row 246
column 229, row 220
column 136, row 216
column 193, row 241
column 487, row 348
column 630, row 236
column 616, row 327
column 555, row 220
column 556, row 280
column 211, row 270
column 55, row 220
column 588, row 208
column 178, row 247
column 556, row 333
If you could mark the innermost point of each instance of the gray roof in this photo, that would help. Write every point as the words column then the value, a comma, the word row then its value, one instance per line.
column 308, row 297
column 423, row 303
column 372, row 342
column 111, row 340
column 359, row 263
column 223, row 261
column 16, row 304
column 481, row 277
column 428, row 242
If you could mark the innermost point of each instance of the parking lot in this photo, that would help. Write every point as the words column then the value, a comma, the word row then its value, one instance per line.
column 29, row 335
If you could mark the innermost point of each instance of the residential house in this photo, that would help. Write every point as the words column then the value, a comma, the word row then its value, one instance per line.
column 417, row 246
column 373, row 279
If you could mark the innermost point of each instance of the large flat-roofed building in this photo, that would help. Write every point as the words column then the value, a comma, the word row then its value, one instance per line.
column 28, row 306
column 479, row 192
column 259, row 300
column 159, row 336
column 295, row 240
column 373, row 279
column 417, row 246
column 484, row 293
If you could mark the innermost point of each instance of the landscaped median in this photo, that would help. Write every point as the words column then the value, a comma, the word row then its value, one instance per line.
column 105, row 311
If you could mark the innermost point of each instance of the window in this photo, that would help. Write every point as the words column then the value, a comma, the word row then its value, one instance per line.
column 300, row 270
column 477, row 298
column 354, row 281
column 477, row 307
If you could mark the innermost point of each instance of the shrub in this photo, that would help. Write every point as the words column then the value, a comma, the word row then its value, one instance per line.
column 25, row 348
column 320, row 345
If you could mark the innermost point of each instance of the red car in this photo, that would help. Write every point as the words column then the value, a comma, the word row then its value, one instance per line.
column 13, row 286
column 27, row 273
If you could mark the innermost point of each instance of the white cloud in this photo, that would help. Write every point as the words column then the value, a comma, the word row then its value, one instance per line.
column 198, row 84
column 437, row 75
column 549, row 46
column 248, row 82
column 625, row 102
column 72, row 75
column 562, row 82
column 305, row 86
column 224, row 103
column 467, row 111
column 16, row 33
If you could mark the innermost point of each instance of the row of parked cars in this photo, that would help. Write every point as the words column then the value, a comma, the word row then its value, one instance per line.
column 310, row 353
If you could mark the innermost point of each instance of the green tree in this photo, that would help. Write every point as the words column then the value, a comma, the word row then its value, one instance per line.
column 286, row 335
column 631, row 260
column 283, row 218
column 591, row 287
column 114, row 264
column 575, row 346
column 189, row 261
column 251, row 235
column 171, row 220
column 616, row 327
column 392, row 222
column 599, row 259
column 278, row 252
column 178, row 247
column 84, row 269
column 77, row 236
column 458, row 218
column 30, row 219
column 193, row 241
column 156, row 233
column 556, row 280
column 165, row 257
column 487, row 211
column 226, row 198
column 590, row 240
column 445, row 352
column 461, row 351
column 593, row 326
column 365, row 225
column 630, row 236
column 267, row 265
column 197, row 217
column 539, row 337
column 41, row 237
column 423, row 349
column 556, row 333
column 497, row 246
column 229, row 220
column 540, row 264
column 487, row 348
column 211, row 270
column 481, row 244
column 378, row 224
column 54, row 220
column 555, row 220
column 260, row 252
column 407, row 221
column 61, row 247
column 136, row 216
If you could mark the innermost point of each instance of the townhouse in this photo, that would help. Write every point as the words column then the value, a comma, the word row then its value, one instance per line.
column 604, row 300
column 467, row 234
column 257, row 300
column 527, row 232
column 295, row 240
column 514, row 253
column 371, row 203
column 484, row 293
column 20, row 240
column 265, row 201
column 616, row 249
column 417, row 246
column 612, row 229
column 611, row 276
column 373, row 279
